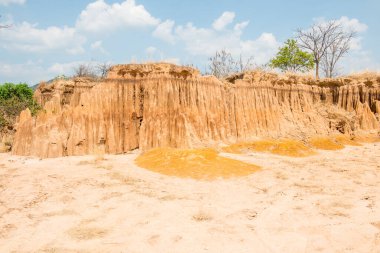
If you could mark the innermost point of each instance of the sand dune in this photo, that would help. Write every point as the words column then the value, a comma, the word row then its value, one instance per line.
column 329, row 202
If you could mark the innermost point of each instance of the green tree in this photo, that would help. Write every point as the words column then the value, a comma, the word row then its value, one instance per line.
column 291, row 58
column 13, row 99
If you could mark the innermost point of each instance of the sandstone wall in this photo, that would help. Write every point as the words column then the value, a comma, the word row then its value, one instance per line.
column 146, row 106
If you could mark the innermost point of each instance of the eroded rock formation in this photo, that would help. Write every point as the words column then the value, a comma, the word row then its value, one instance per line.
column 152, row 105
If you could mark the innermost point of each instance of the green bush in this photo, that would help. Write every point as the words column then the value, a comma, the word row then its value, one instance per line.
column 291, row 58
column 13, row 99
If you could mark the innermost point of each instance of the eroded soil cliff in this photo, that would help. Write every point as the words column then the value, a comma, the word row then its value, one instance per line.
column 164, row 105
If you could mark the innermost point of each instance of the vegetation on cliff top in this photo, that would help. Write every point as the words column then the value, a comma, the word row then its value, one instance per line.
column 291, row 58
column 13, row 99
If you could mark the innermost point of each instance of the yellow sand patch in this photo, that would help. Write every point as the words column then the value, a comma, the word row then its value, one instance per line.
column 283, row 147
column 197, row 164
column 346, row 140
column 325, row 143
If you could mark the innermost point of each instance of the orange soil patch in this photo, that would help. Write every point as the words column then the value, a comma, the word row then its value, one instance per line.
column 197, row 164
column 284, row 147
column 325, row 143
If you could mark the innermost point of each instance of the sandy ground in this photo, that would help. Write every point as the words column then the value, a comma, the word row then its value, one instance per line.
column 325, row 203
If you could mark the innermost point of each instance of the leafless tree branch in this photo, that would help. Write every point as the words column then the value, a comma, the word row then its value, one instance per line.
column 103, row 69
column 84, row 70
column 328, row 42
column 222, row 64
column 335, row 52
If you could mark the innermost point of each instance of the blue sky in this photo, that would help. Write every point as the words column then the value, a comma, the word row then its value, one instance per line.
column 48, row 38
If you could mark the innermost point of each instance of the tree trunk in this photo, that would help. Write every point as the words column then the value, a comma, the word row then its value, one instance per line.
column 317, row 70
column 331, row 69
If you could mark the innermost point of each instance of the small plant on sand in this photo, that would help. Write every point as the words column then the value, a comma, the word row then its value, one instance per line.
column 99, row 153
column 202, row 216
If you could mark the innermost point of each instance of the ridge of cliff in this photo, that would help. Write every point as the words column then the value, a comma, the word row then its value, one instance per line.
column 163, row 105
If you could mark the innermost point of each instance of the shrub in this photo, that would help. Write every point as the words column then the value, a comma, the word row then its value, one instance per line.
column 13, row 99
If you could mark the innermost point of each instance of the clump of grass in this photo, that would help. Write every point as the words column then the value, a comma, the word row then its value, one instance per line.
column 84, row 162
column 99, row 154
column 202, row 216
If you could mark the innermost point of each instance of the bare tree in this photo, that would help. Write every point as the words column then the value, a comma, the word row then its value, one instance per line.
column 222, row 64
column 84, row 70
column 103, row 69
column 244, row 65
column 335, row 52
column 320, row 38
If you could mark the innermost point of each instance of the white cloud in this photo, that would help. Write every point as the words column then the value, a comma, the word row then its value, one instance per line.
column 100, row 16
column 172, row 60
column 29, row 72
column 352, row 24
column 151, row 50
column 358, row 61
column 200, row 41
column 29, row 38
column 164, row 31
column 98, row 45
column 239, row 27
column 97, row 16
column 33, row 72
column 205, row 42
column 8, row 2
column 225, row 19
column 64, row 68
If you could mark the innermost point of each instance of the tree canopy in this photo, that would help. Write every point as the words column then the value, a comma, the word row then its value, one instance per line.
column 291, row 58
column 21, row 91
column 13, row 99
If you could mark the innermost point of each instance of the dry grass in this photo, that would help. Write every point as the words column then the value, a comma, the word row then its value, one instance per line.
column 64, row 212
column 87, row 233
column 283, row 147
column 196, row 164
column 122, row 178
column 85, row 162
column 202, row 216
column 99, row 154
column 294, row 148
column 99, row 157
column 365, row 74
column 367, row 138
column 346, row 140
column 325, row 143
